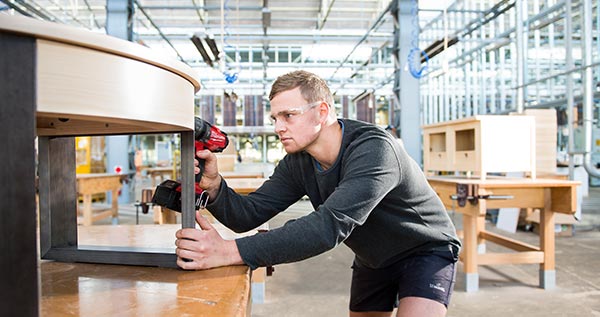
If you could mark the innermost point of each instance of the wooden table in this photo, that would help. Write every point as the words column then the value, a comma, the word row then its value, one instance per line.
column 549, row 195
column 244, row 186
column 112, row 290
column 89, row 184
column 163, row 172
column 80, row 289
column 231, row 175
column 58, row 82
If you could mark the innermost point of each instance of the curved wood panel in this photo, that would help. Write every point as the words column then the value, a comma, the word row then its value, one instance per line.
column 111, row 92
column 100, row 42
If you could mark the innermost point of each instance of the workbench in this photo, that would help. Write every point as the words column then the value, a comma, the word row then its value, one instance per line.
column 90, row 184
column 58, row 82
column 471, row 198
column 164, row 173
column 237, row 174
column 244, row 186
column 82, row 289
column 78, row 289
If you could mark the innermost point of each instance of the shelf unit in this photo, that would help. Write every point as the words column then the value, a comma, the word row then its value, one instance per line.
column 481, row 144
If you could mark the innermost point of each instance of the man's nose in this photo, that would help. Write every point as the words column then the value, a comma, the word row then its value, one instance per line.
column 279, row 125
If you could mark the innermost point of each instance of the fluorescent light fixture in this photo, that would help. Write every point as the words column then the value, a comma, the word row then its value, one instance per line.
column 210, row 55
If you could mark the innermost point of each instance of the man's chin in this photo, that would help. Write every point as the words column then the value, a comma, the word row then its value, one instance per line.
column 291, row 149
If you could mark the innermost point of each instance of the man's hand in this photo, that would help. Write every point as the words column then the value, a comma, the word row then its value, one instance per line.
column 204, row 249
column 211, row 180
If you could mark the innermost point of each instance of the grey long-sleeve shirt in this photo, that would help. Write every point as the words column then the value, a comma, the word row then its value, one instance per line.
column 375, row 199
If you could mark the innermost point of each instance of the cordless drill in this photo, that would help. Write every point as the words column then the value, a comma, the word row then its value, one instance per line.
column 206, row 136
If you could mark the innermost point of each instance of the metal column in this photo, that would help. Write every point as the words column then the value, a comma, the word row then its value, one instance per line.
column 521, row 8
column 119, row 19
column 406, row 87
column 119, row 23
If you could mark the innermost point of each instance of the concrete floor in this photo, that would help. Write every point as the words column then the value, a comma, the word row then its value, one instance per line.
column 320, row 286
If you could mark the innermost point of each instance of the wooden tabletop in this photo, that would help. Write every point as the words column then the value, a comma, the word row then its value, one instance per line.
column 78, row 289
column 141, row 236
column 244, row 186
column 99, row 175
column 236, row 174
column 158, row 169
column 523, row 192
column 506, row 181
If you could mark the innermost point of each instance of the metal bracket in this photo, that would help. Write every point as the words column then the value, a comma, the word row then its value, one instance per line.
column 468, row 192
column 465, row 192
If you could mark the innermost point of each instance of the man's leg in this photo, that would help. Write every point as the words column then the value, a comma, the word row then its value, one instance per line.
column 418, row 307
column 410, row 307
column 371, row 314
column 423, row 283
column 373, row 292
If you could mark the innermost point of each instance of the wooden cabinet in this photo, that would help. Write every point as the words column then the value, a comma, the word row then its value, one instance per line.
column 480, row 145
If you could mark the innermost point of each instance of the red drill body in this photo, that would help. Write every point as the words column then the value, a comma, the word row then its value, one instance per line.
column 206, row 136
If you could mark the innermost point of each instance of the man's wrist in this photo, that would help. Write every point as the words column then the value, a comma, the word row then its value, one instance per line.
column 214, row 190
column 234, row 254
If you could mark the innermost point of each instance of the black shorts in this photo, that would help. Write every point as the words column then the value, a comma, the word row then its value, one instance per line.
column 426, row 274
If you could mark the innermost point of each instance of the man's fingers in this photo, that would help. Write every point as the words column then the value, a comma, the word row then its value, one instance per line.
column 203, row 154
column 186, row 265
column 184, row 254
column 186, row 244
column 187, row 233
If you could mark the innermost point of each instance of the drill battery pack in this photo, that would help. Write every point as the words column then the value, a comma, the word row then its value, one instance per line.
column 168, row 195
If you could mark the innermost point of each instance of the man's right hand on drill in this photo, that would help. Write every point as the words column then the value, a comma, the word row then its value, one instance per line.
column 211, row 180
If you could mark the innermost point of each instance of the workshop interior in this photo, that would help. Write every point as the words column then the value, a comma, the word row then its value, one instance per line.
column 105, row 103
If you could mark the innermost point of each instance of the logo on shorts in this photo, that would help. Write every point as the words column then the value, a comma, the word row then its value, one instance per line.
column 437, row 286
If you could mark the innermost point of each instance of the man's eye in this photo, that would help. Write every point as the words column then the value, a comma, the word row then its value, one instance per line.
column 288, row 115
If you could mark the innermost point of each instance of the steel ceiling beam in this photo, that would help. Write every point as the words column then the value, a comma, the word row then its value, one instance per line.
column 44, row 15
column 197, row 9
column 321, row 24
column 139, row 6
column 15, row 7
column 375, row 25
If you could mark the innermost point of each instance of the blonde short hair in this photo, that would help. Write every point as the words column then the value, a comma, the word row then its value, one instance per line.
column 312, row 87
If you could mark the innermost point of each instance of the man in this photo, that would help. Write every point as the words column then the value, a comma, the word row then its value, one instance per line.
column 367, row 193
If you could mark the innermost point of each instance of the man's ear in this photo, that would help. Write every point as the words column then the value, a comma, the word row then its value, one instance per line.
column 324, row 111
